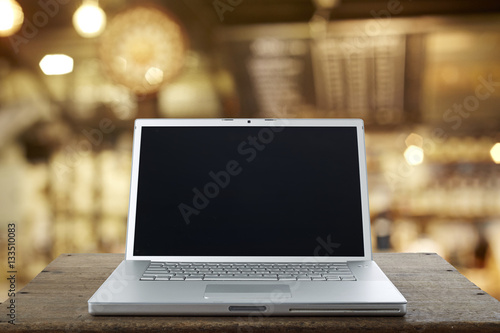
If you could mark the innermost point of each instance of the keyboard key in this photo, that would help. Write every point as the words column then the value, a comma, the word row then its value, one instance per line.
column 348, row 278
column 265, row 278
column 314, row 275
column 226, row 278
column 177, row 278
column 332, row 278
column 331, row 275
column 248, row 271
column 196, row 275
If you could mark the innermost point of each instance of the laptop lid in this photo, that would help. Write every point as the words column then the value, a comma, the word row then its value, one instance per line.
column 248, row 190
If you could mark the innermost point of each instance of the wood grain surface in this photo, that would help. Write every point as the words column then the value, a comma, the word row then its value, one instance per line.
column 439, row 299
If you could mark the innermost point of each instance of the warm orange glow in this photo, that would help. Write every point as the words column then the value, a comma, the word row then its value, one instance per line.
column 414, row 155
column 495, row 153
column 89, row 20
column 11, row 17
column 56, row 64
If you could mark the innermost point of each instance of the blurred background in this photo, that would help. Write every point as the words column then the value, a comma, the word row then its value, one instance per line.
column 424, row 76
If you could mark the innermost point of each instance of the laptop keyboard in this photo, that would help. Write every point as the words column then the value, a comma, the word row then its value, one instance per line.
column 179, row 271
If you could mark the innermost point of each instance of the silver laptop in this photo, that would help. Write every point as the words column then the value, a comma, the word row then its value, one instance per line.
column 248, row 216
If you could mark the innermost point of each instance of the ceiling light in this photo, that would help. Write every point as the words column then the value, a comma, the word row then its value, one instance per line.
column 328, row 4
column 89, row 19
column 414, row 140
column 56, row 64
column 495, row 153
column 11, row 17
column 414, row 155
column 154, row 76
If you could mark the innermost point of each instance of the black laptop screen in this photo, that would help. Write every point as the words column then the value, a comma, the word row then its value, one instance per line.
column 248, row 191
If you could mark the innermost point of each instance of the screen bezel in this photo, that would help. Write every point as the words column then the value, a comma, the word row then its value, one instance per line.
column 278, row 122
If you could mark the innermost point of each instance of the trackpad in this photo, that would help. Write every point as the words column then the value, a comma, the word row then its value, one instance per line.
column 247, row 291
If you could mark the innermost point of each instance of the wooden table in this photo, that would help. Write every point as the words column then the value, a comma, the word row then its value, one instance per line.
column 439, row 299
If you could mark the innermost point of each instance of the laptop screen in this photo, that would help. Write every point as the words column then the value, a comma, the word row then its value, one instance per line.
column 248, row 191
